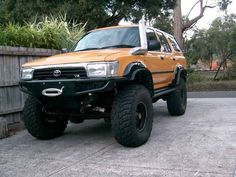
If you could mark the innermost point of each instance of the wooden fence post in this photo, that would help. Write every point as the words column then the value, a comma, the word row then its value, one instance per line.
column 3, row 128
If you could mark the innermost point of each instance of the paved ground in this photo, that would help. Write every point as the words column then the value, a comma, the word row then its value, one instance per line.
column 200, row 143
column 212, row 94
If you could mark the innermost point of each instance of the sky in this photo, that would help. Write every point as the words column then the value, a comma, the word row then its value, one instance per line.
column 209, row 15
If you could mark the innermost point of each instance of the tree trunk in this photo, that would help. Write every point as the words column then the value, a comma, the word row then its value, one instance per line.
column 178, row 23
column 210, row 62
column 223, row 61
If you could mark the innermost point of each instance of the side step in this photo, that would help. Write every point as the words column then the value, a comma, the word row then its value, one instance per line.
column 163, row 91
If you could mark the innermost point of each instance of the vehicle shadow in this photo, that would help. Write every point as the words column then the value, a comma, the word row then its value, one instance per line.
column 88, row 128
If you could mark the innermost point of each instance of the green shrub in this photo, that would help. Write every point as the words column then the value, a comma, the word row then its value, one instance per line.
column 54, row 33
column 231, row 72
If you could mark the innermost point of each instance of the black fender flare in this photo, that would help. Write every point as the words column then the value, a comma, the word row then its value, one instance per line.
column 131, row 67
column 180, row 71
column 133, row 70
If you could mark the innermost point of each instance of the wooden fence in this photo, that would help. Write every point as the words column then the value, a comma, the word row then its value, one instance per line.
column 11, row 98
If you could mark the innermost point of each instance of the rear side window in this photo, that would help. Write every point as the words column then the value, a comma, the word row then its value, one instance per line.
column 174, row 44
column 164, row 43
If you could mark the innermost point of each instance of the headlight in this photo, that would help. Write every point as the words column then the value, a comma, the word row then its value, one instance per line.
column 102, row 69
column 27, row 74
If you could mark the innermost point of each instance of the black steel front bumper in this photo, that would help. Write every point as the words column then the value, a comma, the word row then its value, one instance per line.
column 68, row 87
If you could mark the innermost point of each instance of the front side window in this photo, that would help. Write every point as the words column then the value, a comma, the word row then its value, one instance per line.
column 151, row 36
column 123, row 37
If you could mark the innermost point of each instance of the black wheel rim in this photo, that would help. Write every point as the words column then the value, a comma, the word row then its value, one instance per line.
column 141, row 115
column 49, row 119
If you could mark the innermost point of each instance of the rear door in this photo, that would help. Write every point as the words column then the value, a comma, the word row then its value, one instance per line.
column 177, row 54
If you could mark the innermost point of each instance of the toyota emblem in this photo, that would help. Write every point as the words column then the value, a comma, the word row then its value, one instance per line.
column 57, row 73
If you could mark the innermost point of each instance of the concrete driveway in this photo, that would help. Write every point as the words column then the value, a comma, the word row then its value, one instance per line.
column 200, row 143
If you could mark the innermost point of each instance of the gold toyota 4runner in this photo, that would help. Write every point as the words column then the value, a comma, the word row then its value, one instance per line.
column 114, row 73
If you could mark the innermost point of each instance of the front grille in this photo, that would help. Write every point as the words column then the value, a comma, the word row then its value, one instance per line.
column 64, row 73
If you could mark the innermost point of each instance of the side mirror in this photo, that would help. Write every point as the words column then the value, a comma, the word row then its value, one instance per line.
column 64, row 50
column 154, row 45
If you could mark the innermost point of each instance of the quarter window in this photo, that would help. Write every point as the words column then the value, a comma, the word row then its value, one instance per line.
column 174, row 44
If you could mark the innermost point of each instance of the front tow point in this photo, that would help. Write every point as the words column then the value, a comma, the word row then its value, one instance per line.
column 52, row 92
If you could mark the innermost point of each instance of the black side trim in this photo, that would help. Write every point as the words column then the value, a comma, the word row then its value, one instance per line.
column 163, row 91
column 162, row 72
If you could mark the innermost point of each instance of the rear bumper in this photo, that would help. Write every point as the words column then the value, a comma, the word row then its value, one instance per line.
column 68, row 87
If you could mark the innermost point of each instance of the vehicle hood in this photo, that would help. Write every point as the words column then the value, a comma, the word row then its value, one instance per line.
column 78, row 57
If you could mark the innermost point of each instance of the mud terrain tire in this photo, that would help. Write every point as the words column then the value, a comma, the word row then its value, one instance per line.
column 177, row 100
column 132, row 116
column 36, row 122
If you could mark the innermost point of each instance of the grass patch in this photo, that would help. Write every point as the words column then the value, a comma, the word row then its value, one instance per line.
column 203, row 81
column 227, row 85
column 195, row 77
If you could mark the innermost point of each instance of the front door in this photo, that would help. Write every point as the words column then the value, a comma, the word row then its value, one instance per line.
column 159, row 62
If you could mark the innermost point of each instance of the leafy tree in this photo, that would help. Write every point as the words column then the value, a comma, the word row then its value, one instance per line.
column 223, row 35
column 200, row 47
column 218, row 40
column 3, row 16
column 97, row 13
column 164, row 22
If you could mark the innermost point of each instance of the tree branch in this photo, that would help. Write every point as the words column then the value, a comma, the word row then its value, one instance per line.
column 112, row 20
column 211, row 7
column 191, row 22
column 192, row 9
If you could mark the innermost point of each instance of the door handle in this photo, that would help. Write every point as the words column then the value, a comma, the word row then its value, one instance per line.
column 162, row 57
column 174, row 58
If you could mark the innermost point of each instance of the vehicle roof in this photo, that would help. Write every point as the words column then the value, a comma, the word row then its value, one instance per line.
column 118, row 26
column 127, row 26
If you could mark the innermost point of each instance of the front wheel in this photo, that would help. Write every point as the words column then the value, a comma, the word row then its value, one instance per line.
column 39, row 124
column 132, row 116
column 177, row 100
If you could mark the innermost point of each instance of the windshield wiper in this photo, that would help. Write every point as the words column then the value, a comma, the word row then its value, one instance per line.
column 87, row 49
column 119, row 46
column 112, row 46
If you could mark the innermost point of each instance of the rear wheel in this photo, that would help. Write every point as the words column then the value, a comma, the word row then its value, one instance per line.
column 177, row 100
column 39, row 124
column 132, row 116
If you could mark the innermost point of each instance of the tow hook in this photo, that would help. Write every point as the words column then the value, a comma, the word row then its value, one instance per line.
column 52, row 92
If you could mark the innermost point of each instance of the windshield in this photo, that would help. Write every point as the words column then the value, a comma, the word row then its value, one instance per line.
column 110, row 38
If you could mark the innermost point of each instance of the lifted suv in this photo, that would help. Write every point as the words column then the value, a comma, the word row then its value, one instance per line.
column 114, row 73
